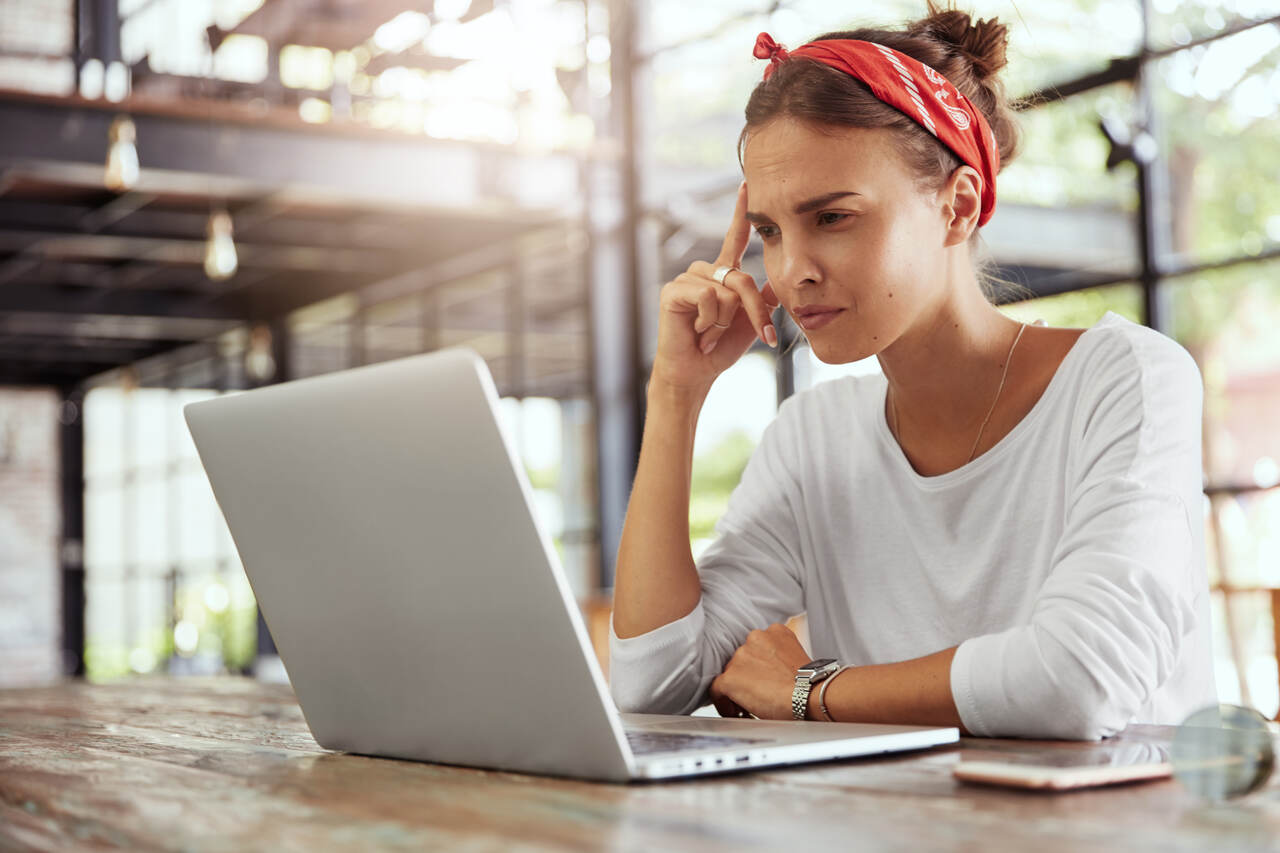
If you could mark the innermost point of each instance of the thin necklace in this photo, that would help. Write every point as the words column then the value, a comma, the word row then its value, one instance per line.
column 893, row 405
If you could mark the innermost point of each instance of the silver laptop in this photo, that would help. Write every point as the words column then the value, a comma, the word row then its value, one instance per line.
column 388, row 530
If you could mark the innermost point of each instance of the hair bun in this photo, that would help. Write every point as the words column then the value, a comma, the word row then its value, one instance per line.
column 984, row 43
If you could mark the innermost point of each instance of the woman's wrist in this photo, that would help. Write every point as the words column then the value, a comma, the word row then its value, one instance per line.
column 659, row 392
column 817, row 708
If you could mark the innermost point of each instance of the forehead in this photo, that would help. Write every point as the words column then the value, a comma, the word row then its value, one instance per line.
column 787, row 158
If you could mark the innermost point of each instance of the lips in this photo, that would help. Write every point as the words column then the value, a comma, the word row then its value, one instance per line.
column 816, row 316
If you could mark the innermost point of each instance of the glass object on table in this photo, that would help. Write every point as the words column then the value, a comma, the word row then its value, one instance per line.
column 1223, row 752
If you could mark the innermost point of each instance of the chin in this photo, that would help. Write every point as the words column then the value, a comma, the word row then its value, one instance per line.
column 839, row 351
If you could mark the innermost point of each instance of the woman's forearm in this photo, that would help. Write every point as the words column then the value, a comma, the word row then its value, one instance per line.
column 655, row 580
column 914, row 692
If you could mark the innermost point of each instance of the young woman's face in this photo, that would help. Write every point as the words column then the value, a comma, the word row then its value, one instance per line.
column 844, row 225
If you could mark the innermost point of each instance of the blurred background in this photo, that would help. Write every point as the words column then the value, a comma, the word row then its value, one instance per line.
column 203, row 196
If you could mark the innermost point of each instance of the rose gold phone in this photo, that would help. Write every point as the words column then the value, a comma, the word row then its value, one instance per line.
column 1064, row 769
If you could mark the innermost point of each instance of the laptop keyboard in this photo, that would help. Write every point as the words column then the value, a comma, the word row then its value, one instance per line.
column 646, row 742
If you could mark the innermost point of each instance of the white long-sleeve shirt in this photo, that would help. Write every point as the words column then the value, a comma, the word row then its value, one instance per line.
column 1066, row 562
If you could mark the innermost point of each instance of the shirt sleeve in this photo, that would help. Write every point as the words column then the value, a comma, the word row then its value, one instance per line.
column 1107, row 626
column 751, row 577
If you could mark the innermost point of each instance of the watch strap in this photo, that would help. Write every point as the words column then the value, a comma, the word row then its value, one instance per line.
column 800, row 698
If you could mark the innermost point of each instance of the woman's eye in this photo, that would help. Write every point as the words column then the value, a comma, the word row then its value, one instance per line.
column 765, row 231
column 825, row 221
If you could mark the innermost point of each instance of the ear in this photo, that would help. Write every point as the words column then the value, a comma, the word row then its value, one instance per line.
column 960, row 202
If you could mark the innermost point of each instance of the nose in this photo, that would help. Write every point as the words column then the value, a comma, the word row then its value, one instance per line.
column 797, row 265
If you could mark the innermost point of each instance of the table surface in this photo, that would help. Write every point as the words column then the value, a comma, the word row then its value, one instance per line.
column 230, row 764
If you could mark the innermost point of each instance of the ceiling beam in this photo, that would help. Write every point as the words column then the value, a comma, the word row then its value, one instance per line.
column 380, row 169
column 96, row 354
column 115, row 210
column 335, row 24
column 263, row 221
column 190, row 252
column 61, row 300
column 14, row 375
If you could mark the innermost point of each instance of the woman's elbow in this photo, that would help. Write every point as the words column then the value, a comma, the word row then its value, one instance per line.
column 1101, row 680
column 630, row 699
column 639, row 696
column 1088, row 721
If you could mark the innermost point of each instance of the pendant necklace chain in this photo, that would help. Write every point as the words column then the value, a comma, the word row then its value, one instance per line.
column 893, row 406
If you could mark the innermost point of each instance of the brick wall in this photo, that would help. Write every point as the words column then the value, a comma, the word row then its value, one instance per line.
column 30, row 621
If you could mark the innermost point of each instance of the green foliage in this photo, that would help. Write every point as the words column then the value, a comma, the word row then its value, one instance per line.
column 1218, row 124
column 105, row 661
column 238, row 629
column 1080, row 309
column 1064, row 153
column 544, row 478
column 1205, row 306
column 715, row 475
column 232, row 634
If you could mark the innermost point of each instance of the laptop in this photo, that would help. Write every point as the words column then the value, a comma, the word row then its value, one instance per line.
column 388, row 530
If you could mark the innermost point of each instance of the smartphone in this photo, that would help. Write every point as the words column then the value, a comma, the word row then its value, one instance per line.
column 1065, row 769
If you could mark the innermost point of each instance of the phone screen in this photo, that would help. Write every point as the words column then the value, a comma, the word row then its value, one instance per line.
column 1092, row 755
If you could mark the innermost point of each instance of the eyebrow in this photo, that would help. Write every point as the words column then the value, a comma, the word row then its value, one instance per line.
column 804, row 206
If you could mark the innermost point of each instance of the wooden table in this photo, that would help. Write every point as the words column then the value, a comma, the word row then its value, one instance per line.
column 228, row 764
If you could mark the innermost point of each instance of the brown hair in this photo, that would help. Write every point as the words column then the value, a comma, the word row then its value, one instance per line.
column 968, row 54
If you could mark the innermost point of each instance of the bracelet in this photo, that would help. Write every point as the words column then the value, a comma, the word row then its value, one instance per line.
column 822, row 692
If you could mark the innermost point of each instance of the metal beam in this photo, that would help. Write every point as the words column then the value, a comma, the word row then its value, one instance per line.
column 39, row 376
column 94, row 355
column 126, row 216
column 335, row 24
column 70, row 302
column 172, row 250
column 16, row 266
column 71, row 535
column 381, row 169
column 1050, row 281
column 115, row 210
column 616, row 364
column 1154, row 211
column 108, row 31
column 1118, row 70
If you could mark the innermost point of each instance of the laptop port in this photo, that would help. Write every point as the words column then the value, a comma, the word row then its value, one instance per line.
column 744, row 759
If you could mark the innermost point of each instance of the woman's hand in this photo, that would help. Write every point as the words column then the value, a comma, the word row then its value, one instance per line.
column 761, row 675
column 692, row 349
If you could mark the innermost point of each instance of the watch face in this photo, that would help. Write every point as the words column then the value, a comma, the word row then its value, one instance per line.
column 814, row 667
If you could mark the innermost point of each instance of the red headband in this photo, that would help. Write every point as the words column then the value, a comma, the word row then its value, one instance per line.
column 914, row 89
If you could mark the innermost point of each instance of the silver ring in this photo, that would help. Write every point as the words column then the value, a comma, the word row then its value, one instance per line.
column 721, row 325
column 720, row 274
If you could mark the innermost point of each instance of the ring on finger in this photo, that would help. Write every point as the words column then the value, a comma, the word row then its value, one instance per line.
column 720, row 274
column 721, row 325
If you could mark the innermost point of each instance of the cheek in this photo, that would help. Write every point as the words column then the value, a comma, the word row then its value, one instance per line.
column 918, row 233
column 902, row 251
column 772, row 259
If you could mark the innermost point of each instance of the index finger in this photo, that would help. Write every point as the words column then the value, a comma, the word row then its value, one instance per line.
column 739, row 234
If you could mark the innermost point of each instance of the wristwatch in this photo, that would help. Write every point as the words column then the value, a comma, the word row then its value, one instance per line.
column 807, row 676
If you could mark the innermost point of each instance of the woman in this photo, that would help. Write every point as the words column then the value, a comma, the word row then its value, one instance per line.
column 1003, row 532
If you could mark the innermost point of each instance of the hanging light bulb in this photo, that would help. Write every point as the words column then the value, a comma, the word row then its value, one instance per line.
column 122, row 155
column 259, row 363
column 220, row 259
